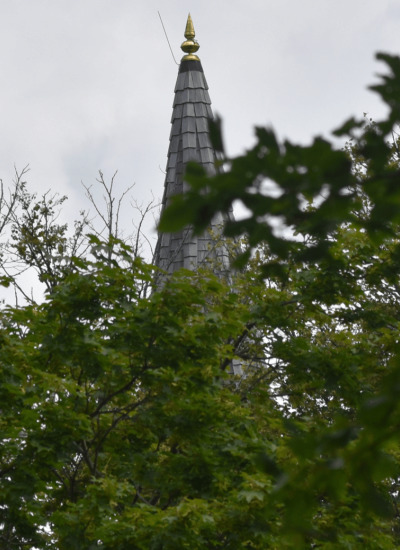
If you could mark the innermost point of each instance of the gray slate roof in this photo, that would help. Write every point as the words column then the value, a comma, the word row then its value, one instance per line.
column 189, row 141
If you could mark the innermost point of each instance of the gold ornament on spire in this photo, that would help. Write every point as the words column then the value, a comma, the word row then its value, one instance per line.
column 190, row 46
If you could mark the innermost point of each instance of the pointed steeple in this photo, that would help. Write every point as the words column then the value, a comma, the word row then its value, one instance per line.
column 189, row 141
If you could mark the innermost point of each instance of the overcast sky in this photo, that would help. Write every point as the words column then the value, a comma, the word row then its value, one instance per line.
column 88, row 84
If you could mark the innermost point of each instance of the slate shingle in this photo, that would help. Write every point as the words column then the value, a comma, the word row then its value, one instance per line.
column 189, row 140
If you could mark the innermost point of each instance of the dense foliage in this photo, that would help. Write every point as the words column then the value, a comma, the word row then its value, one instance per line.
column 120, row 424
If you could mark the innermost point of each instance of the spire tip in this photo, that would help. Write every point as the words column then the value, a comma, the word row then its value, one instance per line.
column 190, row 45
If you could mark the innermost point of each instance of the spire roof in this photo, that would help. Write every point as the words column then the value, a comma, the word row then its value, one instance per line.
column 189, row 141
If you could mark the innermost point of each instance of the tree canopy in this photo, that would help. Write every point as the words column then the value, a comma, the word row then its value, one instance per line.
column 121, row 425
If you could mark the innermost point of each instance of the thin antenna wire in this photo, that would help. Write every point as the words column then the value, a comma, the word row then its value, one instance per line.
column 166, row 36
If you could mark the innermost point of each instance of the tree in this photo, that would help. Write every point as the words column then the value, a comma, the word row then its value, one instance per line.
column 335, row 271
column 120, row 425
column 32, row 239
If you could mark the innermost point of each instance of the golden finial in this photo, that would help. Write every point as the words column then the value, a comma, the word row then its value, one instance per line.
column 190, row 46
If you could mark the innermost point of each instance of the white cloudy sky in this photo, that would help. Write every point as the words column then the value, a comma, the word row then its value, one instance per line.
column 88, row 84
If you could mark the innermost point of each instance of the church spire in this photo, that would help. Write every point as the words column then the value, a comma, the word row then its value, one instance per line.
column 189, row 141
